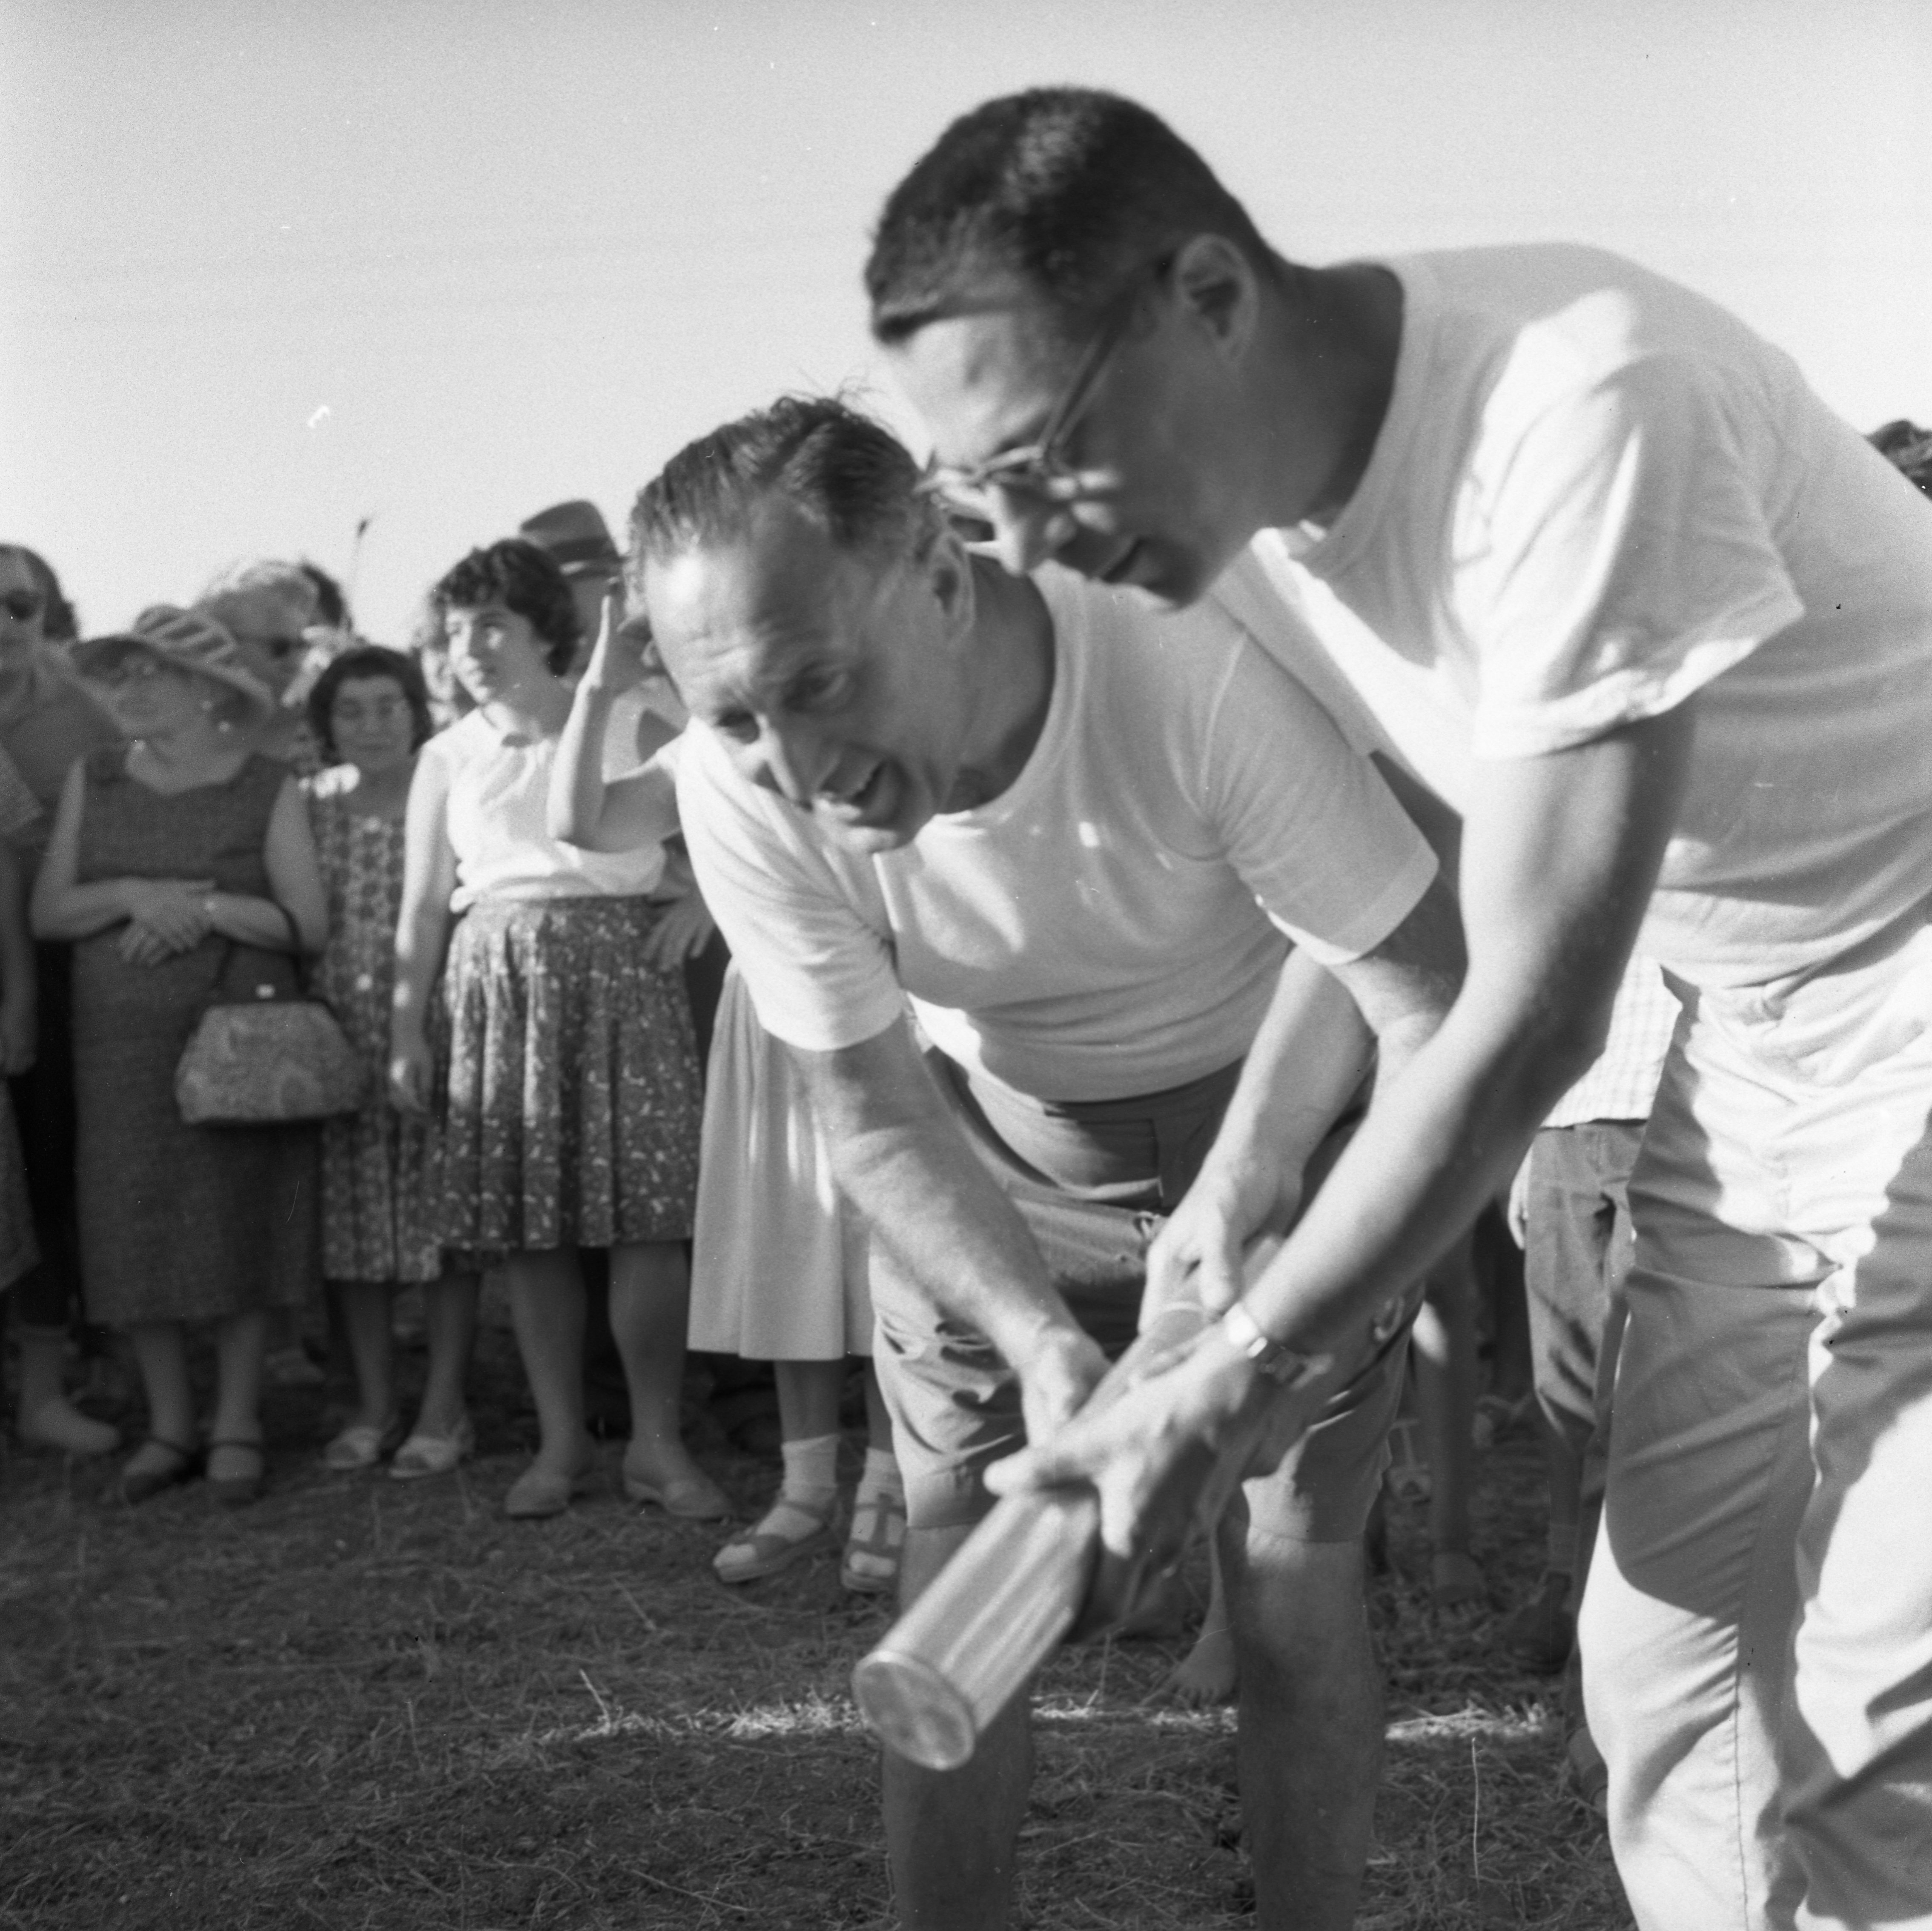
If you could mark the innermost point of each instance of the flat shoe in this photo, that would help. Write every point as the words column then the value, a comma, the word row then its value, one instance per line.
column 536, row 1493
column 235, row 1492
column 141, row 1485
column 692, row 1498
column 870, row 1565
column 361, row 1446
column 763, row 1551
column 58, row 1428
column 423, row 1454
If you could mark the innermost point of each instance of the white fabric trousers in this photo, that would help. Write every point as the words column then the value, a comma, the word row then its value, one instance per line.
column 1757, row 1632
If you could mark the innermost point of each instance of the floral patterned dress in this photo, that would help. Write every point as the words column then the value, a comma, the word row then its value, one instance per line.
column 377, row 1165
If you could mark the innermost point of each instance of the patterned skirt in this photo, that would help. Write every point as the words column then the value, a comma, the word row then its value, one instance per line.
column 571, row 1104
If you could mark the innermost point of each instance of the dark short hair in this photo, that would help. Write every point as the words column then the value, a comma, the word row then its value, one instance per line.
column 845, row 473
column 1069, row 189
column 58, row 624
column 1908, row 448
column 370, row 660
column 523, row 578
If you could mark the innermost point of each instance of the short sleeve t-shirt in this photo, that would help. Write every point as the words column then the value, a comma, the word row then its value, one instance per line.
column 1098, row 930
column 1595, row 495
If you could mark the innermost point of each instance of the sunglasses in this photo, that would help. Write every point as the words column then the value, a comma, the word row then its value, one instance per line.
column 1040, row 468
column 21, row 605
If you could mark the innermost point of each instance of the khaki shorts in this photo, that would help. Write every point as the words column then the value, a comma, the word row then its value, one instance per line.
column 955, row 1404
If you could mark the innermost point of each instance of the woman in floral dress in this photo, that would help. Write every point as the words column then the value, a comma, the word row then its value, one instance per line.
column 369, row 712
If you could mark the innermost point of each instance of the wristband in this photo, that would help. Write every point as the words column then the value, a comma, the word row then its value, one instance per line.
column 1274, row 1358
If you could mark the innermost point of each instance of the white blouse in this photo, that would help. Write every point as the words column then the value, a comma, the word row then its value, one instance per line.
column 499, row 802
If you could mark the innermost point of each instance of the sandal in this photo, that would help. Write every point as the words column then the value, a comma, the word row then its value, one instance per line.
column 141, row 1485
column 361, row 1445
column 763, row 1549
column 870, row 1565
column 424, row 1454
column 235, row 1492
column 694, row 1498
column 537, row 1493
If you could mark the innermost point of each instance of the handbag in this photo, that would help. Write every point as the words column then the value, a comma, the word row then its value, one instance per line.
column 268, row 1060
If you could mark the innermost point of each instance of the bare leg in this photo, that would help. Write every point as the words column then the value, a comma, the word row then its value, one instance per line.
column 1310, row 1743
column 449, row 1317
column 1206, row 1675
column 650, row 1296
column 161, row 1352
column 951, row 1836
column 1444, row 1344
column 808, row 1393
column 546, row 1307
column 366, row 1315
column 240, row 1349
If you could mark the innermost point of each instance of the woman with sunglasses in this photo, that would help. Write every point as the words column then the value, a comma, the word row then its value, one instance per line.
column 182, row 867
column 48, row 719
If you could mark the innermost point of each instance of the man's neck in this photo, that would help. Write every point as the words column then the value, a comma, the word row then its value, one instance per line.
column 1012, row 669
column 1336, row 349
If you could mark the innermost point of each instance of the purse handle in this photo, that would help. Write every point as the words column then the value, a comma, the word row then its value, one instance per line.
column 218, row 985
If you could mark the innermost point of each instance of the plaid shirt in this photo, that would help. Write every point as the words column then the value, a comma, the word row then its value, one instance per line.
column 1623, row 1082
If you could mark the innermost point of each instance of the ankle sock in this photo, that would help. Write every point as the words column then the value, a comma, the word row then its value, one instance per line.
column 810, row 1471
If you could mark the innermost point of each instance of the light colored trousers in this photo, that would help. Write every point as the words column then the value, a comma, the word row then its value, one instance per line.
column 1757, row 1632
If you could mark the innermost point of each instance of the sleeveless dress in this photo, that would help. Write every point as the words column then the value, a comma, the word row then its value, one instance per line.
column 179, row 1222
column 376, row 1164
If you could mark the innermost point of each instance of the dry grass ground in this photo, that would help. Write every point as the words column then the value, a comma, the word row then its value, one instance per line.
column 364, row 1706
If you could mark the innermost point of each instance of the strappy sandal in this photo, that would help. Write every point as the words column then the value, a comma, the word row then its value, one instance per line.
column 870, row 1565
column 763, row 1551
column 140, row 1485
column 235, row 1492
column 360, row 1446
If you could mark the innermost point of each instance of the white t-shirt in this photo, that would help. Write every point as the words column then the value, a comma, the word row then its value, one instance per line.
column 1093, row 932
column 497, row 821
column 1594, row 494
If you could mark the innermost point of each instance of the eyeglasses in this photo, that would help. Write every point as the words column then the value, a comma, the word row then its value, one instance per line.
column 1040, row 468
column 22, row 605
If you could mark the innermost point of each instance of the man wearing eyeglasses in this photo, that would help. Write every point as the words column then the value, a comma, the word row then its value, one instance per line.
column 1661, row 626
column 913, row 774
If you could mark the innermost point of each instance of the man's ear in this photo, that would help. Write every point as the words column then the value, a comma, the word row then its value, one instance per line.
column 1218, row 288
column 949, row 573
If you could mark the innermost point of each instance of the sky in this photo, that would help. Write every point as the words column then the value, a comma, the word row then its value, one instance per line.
column 267, row 271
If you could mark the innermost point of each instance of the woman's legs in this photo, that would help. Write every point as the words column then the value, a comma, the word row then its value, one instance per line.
column 547, row 1308
column 650, row 1294
column 366, row 1314
column 449, row 1318
column 161, row 1352
column 871, row 1564
column 235, row 1435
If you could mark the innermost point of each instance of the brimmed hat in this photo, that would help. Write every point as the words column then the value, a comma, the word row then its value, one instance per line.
column 576, row 537
column 189, row 640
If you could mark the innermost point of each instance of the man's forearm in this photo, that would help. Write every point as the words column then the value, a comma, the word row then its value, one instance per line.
column 901, row 1158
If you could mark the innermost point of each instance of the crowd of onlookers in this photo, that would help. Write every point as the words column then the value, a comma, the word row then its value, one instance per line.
column 243, row 799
